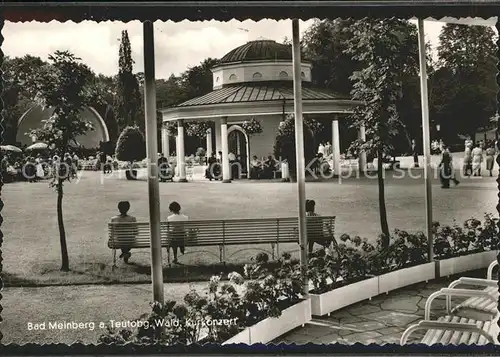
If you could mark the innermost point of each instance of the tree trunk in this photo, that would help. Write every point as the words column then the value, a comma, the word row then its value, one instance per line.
column 381, row 199
column 62, row 232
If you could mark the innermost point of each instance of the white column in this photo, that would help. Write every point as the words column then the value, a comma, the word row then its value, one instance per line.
column 180, row 151
column 336, row 147
column 218, row 140
column 165, row 139
column 209, row 142
column 226, row 173
column 362, row 154
column 177, row 155
column 152, row 152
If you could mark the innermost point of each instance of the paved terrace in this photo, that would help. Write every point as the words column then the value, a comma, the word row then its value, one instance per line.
column 381, row 320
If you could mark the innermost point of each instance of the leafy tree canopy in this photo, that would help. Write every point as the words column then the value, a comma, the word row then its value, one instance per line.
column 131, row 145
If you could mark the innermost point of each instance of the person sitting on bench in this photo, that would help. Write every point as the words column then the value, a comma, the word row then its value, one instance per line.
column 269, row 168
column 124, row 232
column 255, row 168
column 177, row 234
column 315, row 232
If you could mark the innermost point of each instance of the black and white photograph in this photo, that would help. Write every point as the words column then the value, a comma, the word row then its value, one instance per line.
column 323, row 181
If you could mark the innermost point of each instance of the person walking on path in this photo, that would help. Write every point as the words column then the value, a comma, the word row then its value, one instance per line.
column 446, row 169
column 468, row 159
column 477, row 160
column 414, row 153
column 490, row 158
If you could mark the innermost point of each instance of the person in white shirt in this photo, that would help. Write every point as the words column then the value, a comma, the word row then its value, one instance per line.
column 321, row 149
column 177, row 233
column 477, row 160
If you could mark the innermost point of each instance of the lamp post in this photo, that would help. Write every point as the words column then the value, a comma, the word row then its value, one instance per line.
column 426, row 137
column 299, row 153
column 152, row 150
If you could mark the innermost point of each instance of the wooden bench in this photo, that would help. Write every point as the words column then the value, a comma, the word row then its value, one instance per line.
column 223, row 233
column 451, row 329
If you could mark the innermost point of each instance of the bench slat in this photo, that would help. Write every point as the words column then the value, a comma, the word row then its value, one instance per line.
column 445, row 339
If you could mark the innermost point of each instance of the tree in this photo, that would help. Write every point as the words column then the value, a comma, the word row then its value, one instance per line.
column 325, row 44
column 63, row 86
column 284, row 147
column 464, row 86
column 104, row 94
column 383, row 48
column 129, row 101
column 131, row 147
column 198, row 80
column 19, row 90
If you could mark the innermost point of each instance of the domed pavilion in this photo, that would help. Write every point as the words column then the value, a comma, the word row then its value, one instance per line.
column 254, row 80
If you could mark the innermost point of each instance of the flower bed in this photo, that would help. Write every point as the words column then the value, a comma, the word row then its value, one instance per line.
column 232, row 311
column 464, row 248
column 356, row 270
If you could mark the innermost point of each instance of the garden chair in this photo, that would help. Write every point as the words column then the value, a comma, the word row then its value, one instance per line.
column 477, row 303
column 451, row 329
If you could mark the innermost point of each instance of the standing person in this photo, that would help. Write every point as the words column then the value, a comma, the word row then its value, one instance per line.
column 468, row 159
column 490, row 158
column 477, row 160
column 163, row 167
column 40, row 173
column 124, row 232
column 177, row 233
column 210, row 172
column 68, row 165
column 441, row 146
column 76, row 161
column 446, row 169
column 4, row 166
column 233, row 167
column 414, row 153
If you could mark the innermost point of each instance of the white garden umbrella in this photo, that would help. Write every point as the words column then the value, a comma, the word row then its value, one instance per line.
column 37, row 146
column 10, row 148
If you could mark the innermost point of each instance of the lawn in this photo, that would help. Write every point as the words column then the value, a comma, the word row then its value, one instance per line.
column 31, row 250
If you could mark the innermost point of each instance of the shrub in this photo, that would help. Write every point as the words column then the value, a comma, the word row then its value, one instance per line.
column 243, row 302
column 131, row 145
column 473, row 236
column 284, row 147
column 200, row 152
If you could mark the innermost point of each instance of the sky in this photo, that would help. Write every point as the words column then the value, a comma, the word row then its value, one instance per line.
column 178, row 46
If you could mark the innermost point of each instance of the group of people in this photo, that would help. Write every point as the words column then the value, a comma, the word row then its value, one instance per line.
column 474, row 156
column 214, row 166
column 262, row 169
column 177, row 233
column 16, row 167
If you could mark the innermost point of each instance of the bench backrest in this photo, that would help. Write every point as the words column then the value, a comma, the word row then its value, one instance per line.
column 229, row 231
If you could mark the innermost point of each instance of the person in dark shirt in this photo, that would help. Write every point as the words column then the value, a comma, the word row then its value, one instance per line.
column 124, row 233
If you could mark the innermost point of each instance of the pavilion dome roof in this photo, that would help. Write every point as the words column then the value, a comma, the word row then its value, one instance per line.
column 260, row 50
